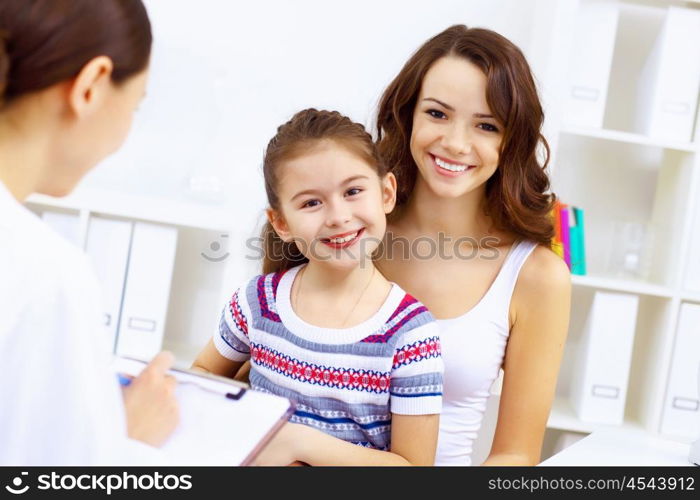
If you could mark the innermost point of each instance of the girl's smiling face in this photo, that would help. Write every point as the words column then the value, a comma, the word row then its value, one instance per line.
column 333, row 205
column 455, row 140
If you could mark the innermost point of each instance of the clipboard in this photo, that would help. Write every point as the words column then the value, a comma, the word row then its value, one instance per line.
column 222, row 422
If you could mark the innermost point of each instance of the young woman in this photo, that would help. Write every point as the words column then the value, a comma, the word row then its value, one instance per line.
column 71, row 75
column 460, row 128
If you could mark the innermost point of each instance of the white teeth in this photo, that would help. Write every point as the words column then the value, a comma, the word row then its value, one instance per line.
column 450, row 166
column 344, row 239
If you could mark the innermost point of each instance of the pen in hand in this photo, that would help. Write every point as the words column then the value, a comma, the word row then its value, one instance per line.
column 124, row 381
column 152, row 409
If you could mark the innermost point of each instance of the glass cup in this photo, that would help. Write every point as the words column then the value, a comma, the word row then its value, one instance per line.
column 631, row 250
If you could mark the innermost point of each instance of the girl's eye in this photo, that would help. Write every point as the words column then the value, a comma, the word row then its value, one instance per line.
column 311, row 203
column 436, row 114
column 488, row 127
column 353, row 191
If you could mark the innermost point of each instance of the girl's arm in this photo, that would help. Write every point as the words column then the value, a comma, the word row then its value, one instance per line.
column 540, row 321
column 210, row 361
column 413, row 442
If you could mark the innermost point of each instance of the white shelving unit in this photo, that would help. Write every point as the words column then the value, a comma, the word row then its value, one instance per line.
column 628, row 137
column 140, row 207
column 203, row 230
column 615, row 172
column 621, row 285
column 563, row 418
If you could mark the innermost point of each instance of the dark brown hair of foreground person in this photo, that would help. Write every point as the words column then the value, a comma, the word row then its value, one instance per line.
column 44, row 42
column 298, row 136
column 517, row 197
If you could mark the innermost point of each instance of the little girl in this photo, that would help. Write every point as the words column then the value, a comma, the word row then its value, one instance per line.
column 359, row 356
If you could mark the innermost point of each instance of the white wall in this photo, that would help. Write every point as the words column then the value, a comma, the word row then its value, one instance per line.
column 225, row 74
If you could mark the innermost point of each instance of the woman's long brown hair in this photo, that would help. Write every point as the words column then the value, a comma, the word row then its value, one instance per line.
column 517, row 195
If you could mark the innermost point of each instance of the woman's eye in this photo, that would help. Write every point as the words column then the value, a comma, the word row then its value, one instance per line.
column 353, row 191
column 488, row 127
column 311, row 203
column 436, row 114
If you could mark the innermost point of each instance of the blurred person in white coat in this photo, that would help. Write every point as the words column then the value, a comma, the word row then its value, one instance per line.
column 72, row 73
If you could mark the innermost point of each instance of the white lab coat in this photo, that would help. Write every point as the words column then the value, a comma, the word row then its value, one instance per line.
column 60, row 404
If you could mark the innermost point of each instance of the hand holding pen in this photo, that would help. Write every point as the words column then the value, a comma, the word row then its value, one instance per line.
column 152, row 411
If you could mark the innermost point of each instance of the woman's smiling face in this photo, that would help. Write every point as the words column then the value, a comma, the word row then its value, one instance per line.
column 455, row 140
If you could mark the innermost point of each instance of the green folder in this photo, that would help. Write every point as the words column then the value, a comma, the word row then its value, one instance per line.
column 578, row 248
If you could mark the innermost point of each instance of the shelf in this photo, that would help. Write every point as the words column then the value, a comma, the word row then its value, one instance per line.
column 629, row 138
column 562, row 417
column 691, row 296
column 619, row 285
column 162, row 210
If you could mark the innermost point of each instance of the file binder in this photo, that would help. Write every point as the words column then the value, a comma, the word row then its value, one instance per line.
column 222, row 422
column 577, row 241
column 681, row 414
column 591, row 60
column 599, row 381
column 668, row 92
column 565, row 229
column 107, row 246
column 147, row 290
column 692, row 273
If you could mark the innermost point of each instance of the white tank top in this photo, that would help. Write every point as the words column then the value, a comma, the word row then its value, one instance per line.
column 473, row 346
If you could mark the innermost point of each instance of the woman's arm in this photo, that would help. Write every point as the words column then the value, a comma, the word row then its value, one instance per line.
column 210, row 361
column 540, row 321
column 413, row 442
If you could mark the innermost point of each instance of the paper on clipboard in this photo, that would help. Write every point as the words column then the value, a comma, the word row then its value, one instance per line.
column 222, row 422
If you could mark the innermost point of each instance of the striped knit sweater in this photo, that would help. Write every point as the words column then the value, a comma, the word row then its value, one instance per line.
column 345, row 382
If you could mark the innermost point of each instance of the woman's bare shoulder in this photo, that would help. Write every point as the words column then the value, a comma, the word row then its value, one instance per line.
column 544, row 271
column 542, row 296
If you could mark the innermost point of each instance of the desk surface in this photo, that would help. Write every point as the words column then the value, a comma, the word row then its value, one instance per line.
column 611, row 447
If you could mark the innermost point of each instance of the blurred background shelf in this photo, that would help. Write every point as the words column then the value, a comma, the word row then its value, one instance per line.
column 628, row 137
column 628, row 152
column 691, row 296
column 562, row 417
column 620, row 285
column 141, row 207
